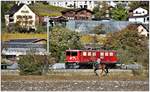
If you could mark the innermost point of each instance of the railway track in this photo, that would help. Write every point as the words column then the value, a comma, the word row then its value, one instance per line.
column 88, row 71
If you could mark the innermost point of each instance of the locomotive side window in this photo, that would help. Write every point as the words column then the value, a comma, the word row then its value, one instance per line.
column 110, row 54
column 89, row 53
column 102, row 53
column 68, row 53
column 94, row 53
column 84, row 53
column 73, row 53
column 106, row 53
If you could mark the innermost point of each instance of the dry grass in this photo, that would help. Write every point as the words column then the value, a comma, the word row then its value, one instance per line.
column 77, row 76
column 8, row 36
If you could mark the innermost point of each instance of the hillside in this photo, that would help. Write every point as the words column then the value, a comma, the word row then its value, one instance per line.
column 46, row 10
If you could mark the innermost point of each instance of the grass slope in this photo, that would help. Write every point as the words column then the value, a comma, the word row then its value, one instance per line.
column 46, row 10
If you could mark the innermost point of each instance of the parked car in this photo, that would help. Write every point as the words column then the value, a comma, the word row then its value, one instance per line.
column 57, row 66
column 13, row 66
column 132, row 66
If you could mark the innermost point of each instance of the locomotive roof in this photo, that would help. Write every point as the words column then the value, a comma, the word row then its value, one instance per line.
column 91, row 50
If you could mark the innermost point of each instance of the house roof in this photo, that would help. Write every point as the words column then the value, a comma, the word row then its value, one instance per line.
column 138, row 16
column 23, row 51
column 25, row 40
column 131, row 10
column 14, row 9
column 68, row 10
column 22, row 44
column 75, row 10
column 80, row 9
column 146, row 26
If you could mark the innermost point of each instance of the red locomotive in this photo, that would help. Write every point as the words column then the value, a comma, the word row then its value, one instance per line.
column 74, row 58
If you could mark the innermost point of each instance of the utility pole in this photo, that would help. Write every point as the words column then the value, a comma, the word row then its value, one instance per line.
column 48, row 24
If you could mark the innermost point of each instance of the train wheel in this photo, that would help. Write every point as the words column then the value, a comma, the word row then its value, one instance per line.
column 67, row 65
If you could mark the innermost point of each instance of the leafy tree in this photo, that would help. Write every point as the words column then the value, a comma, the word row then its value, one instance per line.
column 100, row 12
column 131, row 46
column 32, row 64
column 5, row 6
column 62, row 39
column 41, row 29
column 100, row 29
column 86, row 39
column 119, row 13
column 136, row 4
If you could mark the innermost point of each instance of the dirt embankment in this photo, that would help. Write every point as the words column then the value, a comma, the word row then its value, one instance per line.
column 74, row 85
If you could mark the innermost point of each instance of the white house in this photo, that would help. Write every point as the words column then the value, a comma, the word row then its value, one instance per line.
column 89, row 4
column 139, row 15
column 22, row 15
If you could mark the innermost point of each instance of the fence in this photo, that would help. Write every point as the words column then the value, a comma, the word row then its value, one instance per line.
column 86, row 26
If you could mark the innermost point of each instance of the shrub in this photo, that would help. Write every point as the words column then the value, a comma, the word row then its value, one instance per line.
column 33, row 64
column 138, row 72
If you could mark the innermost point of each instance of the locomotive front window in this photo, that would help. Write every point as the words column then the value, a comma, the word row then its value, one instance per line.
column 73, row 53
column 68, row 53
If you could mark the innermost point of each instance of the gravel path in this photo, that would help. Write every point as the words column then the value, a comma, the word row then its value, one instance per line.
column 73, row 85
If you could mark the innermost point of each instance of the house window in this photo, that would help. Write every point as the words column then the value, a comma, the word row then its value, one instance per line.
column 30, row 17
column 136, row 12
column 143, row 12
column 81, row 6
column 19, row 16
column 30, row 22
column 85, row 6
column 82, row 12
column 142, row 30
column 147, row 18
column 90, row 2
column 66, row 3
column 85, row 2
column 11, row 20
